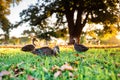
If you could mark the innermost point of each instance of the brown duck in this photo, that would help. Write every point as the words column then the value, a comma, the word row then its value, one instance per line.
column 29, row 47
column 80, row 47
column 47, row 51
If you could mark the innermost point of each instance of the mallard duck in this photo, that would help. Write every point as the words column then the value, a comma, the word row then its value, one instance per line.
column 47, row 51
column 29, row 47
column 80, row 47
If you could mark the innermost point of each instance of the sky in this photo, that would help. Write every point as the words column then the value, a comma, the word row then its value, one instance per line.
column 14, row 16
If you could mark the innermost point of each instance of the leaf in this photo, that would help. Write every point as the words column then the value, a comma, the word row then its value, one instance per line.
column 0, row 78
column 55, row 67
column 71, row 74
column 58, row 73
column 3, row 73
column 66, row 66
column 19, row 74
column 29, row 77
column 118, row 75
column 79, row 55
column 74, row 62
column 18, row 71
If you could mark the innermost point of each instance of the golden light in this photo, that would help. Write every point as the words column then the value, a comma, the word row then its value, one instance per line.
column 118, row 36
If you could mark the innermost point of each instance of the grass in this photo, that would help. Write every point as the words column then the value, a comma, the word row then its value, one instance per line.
column 94, row 64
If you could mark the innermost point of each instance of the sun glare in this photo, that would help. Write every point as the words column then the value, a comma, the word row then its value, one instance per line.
column 118, row 36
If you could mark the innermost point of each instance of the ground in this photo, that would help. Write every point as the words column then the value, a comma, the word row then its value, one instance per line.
column 94, row 64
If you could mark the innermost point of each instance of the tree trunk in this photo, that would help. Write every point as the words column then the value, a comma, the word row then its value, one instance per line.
column 75, row 30
column 70, row 20
column 75, row 27
column 71, row 40
column 6, row 39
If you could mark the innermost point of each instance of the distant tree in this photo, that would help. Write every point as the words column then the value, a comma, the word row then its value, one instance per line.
column 101, row 35
column 111, row 41
column 5, row 24
column 45, row 33
column 95, row 11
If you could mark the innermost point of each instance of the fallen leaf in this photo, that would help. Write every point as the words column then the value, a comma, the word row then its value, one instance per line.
column 3, row 73
column 118, row 75
column 66, row 66
column 0, row 78
column 77, row 55
column 55, row 67
column 18, row 71
column 19, row 74
column 74, row 62
column 58, row 73
column 71, row 74
column 29, row 77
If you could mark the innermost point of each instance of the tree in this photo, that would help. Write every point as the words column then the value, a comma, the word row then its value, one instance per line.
column 5, row 24
column 96, row 11
column 47, row 33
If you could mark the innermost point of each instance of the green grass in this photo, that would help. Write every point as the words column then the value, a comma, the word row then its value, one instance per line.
column 94, row 64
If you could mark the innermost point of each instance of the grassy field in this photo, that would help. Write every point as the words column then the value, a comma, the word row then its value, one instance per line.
column 94, row 64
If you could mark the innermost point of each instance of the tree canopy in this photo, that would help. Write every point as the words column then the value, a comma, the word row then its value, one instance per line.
column 95, row 11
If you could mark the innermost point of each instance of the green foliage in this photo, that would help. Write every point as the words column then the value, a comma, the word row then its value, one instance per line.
column 47, row 35
column 100, row 10
column 95, row 64
column 108, row 31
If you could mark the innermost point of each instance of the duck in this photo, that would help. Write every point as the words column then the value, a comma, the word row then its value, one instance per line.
column 29, row 47
column 80, row 47
column 47, row 51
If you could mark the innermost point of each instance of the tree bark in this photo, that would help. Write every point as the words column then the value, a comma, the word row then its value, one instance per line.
column 70, row 20
column 71, row 40
column 74, row 28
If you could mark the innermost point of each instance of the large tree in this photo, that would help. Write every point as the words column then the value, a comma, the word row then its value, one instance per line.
column 96, row 11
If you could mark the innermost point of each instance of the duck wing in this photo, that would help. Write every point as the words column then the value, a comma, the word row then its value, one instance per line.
column 43, row 51
column 28, row 47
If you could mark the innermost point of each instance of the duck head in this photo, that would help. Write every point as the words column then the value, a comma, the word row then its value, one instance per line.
column 34, row 40
column 56, row 50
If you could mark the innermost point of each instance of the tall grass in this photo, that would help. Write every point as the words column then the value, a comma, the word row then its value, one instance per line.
column 94, row 64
